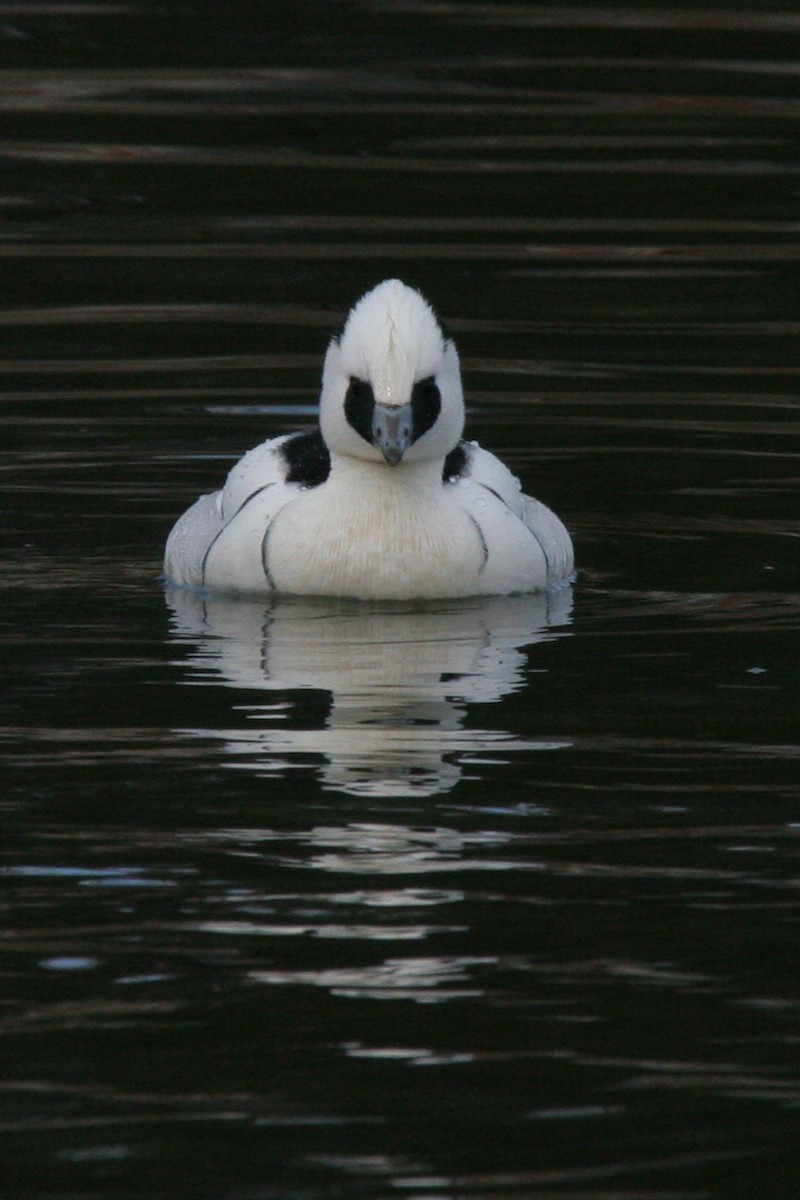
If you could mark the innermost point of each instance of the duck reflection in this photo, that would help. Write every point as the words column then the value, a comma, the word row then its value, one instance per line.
column 399, row 679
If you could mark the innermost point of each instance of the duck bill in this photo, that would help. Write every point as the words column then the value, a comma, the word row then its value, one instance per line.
column 392, row 430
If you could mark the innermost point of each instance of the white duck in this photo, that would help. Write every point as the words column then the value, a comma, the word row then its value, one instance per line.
column 384, row 501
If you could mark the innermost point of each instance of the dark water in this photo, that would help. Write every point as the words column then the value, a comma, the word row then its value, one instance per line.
column 470, row 900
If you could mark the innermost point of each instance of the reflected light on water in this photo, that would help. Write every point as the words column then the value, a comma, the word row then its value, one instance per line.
column 400, row 681
column 426, row 980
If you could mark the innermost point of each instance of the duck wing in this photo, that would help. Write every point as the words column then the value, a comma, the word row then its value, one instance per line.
column 233, row 520
column 469, row 464
column 299, row 459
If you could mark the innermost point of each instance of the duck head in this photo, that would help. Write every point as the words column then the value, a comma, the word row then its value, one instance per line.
column 391, row 384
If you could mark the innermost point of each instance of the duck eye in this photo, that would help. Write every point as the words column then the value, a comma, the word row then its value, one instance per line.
column 359, row 404
column 426, row 404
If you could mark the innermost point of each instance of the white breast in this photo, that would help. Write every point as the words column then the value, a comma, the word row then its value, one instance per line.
column 376, row 534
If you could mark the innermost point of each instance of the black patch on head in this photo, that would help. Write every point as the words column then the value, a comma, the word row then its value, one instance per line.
column 426, row 404
column 456, row 463
column 307, row 459
column 359, row 406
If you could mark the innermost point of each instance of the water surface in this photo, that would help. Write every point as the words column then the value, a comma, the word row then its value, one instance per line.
column 472, row 899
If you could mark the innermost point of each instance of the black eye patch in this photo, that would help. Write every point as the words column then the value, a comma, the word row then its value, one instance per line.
column 426, row 404
column 359, row 405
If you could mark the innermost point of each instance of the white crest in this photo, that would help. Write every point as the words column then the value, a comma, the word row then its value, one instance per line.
column 392, row 338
